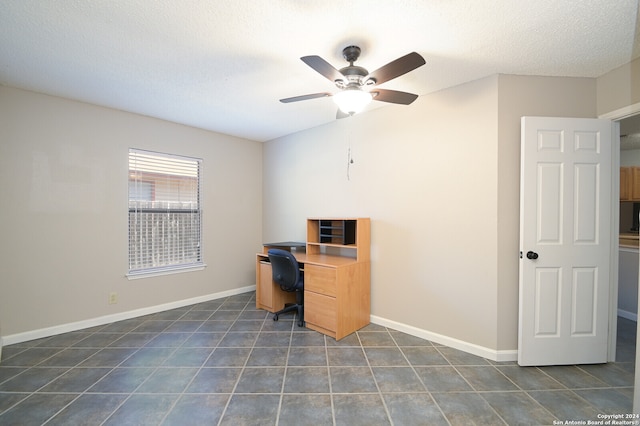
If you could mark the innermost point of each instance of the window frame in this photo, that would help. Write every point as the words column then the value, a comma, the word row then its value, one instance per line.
column 134, row 206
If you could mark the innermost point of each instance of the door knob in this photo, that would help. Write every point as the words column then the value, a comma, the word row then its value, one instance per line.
column 532, row 255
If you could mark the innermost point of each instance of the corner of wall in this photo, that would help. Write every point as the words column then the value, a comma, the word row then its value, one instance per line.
column 619, row 88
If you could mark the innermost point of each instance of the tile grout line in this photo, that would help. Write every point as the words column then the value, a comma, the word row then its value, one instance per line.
column 199, row 369
column 284, row 375
column 573, row 390
column 326, row 352
column 77, row 366
column 525, row 392
column 235, row 385
column 420, row 378
column 475, row 391
column 130, row 394
column 380, row 395
column 80, row 393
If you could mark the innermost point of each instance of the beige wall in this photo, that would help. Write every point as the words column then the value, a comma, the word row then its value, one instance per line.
column 440, row 181
column 63, row 186
column 443, row 198
column 619, row 88
column 428, row 184
column 525, row 96
column 630, row 158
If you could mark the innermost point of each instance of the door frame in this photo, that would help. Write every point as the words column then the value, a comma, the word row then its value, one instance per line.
column 616, row 116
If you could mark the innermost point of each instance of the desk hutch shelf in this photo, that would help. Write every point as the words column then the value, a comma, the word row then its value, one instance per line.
column 341, row 237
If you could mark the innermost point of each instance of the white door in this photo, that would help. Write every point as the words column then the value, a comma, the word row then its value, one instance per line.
column 565, row 213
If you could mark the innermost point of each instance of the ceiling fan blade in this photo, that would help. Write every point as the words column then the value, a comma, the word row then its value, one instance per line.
column 393, row 96
column 323, row 67
column 396, row 68
column 305, row 97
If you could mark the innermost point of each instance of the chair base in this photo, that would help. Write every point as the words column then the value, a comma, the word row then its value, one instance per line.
column 293, row 307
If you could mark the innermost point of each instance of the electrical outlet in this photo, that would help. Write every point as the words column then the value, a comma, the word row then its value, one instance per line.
column 113, row 298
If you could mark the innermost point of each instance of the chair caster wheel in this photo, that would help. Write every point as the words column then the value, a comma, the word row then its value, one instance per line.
column 275, row 317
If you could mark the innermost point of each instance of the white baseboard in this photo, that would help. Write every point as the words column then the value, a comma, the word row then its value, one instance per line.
column 492, row 354
column 628, row 315
column 108, row 319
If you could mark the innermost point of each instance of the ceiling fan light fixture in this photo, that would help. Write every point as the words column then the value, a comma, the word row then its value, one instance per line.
column 352, row 100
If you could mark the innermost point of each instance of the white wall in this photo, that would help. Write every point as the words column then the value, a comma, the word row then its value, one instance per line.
column 63, row 186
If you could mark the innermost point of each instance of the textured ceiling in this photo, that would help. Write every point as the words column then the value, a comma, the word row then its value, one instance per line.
column 223, row 65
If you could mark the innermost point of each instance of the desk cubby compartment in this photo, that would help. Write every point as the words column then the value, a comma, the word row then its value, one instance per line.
column 337, row 232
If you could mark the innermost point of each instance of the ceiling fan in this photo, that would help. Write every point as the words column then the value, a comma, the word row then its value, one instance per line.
column 357, row 85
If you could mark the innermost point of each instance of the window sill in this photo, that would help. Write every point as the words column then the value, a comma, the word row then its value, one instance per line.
column 165, row 271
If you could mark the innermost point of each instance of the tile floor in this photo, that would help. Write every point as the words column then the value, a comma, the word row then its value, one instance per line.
column 224, row 362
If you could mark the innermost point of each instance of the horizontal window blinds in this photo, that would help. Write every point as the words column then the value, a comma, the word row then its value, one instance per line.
column 164, row 212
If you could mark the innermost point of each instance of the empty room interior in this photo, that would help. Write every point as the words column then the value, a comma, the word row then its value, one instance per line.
column 155, row 157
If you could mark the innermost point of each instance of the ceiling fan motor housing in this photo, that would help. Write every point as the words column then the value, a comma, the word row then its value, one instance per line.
column 354, row 74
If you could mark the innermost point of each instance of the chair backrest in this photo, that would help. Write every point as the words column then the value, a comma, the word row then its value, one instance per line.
column 285, row 269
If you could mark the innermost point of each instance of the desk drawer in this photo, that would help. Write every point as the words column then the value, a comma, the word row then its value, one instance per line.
column 320, row 310
column 320, row 279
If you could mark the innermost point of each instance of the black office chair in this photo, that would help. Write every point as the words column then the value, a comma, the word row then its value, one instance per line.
column 286, row 273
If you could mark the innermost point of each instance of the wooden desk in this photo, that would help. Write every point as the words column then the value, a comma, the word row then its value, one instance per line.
column 337, row 290
column 337, row 294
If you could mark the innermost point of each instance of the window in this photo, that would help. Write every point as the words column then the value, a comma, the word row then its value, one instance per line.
column 165, row 218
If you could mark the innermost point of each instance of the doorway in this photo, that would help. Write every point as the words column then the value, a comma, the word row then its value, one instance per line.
column 629, row 140
column 628, row 257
